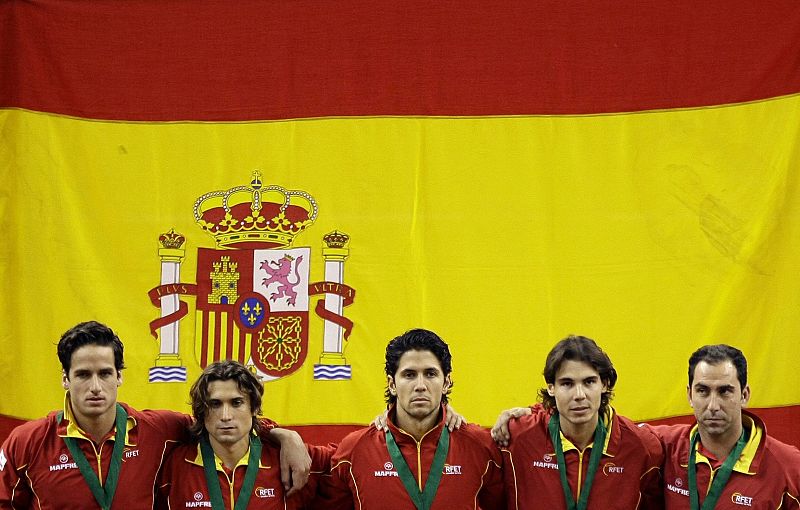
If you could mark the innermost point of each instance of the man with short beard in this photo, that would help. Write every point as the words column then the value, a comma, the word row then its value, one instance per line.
column 417, row 463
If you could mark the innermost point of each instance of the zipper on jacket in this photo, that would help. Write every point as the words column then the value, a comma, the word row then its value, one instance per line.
column 99, row 457
column 580, row 474
column 419, row 454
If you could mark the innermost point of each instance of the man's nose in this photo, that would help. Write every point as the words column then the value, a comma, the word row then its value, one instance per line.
column 95, row 386
column 419, row 383
column 226, row 414
column 580, row 394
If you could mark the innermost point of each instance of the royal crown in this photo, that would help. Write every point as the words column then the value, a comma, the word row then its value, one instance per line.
column 336, row 239
column 171, row 240
column 255, row 216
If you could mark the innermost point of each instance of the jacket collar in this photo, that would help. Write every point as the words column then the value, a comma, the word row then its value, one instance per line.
column 195, row 457
column 612, row 435
column 401, row 435
column 750, row 459
column 68, row 427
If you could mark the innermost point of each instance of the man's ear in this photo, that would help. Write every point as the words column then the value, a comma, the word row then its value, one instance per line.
column 119, row 378
column 448, row 382
column 689, row 396
column 392, row 385
column 64, row 380
column 745, row 395
column 550, row 390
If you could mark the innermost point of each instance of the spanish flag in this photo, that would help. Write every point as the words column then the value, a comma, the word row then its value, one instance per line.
column 293, row 184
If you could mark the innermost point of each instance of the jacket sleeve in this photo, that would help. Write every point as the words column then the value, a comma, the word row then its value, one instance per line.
column 791, row 497
column 651, row 483
column 790, row 502
column 334, row 490
column 320, row 466
column 492, row 494
column 164, row 484
column 14, row 490
column 509, row 480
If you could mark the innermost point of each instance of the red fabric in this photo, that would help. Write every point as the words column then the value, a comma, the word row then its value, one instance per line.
column 246, row 60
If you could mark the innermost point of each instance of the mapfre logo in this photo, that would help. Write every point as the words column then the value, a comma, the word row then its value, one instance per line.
column 738, row 499
column 63, row 463
column 546, row 462
column 677, row 487
column 264, row 492
column 612, row 469
column 388, row 470
column 2, row 459
column 198, row 501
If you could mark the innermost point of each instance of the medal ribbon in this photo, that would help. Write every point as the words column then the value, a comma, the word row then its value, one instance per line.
column 719, row 481
column 103, row 495
column 421, row 499
column 212, row 481
column 594, row 462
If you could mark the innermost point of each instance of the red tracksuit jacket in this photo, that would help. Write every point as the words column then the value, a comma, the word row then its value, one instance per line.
column 363, row 476
column 628, row 477
column 37, row 469
column 766, row 476
column 182, row 483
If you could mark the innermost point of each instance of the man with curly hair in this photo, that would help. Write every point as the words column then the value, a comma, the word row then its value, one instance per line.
column 416, row 462
column 227, row 465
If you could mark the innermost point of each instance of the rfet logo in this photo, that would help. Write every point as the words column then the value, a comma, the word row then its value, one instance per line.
column 611, row 469
column 451, row 470
column 738, row 499
column 264, row 492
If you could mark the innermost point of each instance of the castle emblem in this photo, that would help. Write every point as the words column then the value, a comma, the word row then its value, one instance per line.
column 253, row 290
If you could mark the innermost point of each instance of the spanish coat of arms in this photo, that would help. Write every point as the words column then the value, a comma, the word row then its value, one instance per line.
column 253, row 291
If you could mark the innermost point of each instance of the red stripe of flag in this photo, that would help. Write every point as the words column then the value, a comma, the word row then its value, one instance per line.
column 215, row 60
